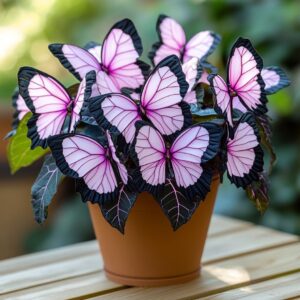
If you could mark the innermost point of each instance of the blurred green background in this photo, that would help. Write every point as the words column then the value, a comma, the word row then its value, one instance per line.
column 28, row 26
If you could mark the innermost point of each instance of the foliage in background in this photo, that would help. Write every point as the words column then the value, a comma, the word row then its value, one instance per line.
column 28, row 26
column 70, row 225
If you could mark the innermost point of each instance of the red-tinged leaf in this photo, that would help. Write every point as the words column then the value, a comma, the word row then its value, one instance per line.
column 258, row 193
column 264, row 124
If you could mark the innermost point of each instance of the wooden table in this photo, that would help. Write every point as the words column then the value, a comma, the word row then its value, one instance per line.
column 241, row 260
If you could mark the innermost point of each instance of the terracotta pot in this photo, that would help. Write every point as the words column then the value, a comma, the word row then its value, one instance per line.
column 151, row 253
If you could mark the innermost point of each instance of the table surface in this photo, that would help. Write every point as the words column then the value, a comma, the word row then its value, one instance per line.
column 241, row 261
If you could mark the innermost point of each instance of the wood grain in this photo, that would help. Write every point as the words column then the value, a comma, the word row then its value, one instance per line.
column 221, row 224
column 244, row 241
column 237, row 254
column 70, row 288
column 280, row 288
column 215, row 278
column 221, row 276
column 47, row 257
column 67, row 268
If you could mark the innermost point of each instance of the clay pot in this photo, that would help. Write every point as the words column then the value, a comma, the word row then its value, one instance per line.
column 151, row 253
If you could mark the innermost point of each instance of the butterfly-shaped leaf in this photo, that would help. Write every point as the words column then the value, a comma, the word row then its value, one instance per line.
column 116, row 62
column 182, row 160
column 50, row 103
column 244, row 153
column 275, row 79
column 161, row 102
column 245, row 88
column 172, row 41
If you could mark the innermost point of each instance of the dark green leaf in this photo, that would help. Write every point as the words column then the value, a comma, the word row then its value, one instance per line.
column 258, row 193
column 199, row 92
column 203, row 115
column 89, row 120
column 45, row 188
column 116, row 211
column 19, row 152
column 73, row 89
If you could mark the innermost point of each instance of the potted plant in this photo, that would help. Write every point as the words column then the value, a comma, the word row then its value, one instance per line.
column 148, row 143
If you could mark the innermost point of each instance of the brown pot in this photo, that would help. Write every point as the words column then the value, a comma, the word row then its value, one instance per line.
column 151, row 253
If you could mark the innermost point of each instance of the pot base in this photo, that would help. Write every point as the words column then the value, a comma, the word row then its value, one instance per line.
column 151, row 282
column 151, row 253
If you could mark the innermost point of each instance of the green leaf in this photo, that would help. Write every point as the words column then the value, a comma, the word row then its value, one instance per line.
column 203, row 115
column 19, row 152
column 258, row 193
column 73, row 89
column 44, row 188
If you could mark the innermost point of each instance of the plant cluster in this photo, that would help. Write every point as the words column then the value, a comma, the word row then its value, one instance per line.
column 126, row 128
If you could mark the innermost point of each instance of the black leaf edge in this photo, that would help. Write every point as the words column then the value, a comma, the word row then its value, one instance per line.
column 98, row 114
column 56, row 50
column 140, row 183
column 174, row 64
column 261, row 108
column 128, row 27
column 91, row 44
column 157, row 45
column 25, row 75
column 284, row 80
column 55, row 144
column 258, row 163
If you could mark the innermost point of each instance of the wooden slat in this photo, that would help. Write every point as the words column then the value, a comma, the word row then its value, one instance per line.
column 280, row 288
column 66, row 289
column 221, row 224
column 221, row 276
column 218, row 247
column 101, row 280
column 51, row 272
column 83, row 259
column 250, row 239
column 46, row 257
